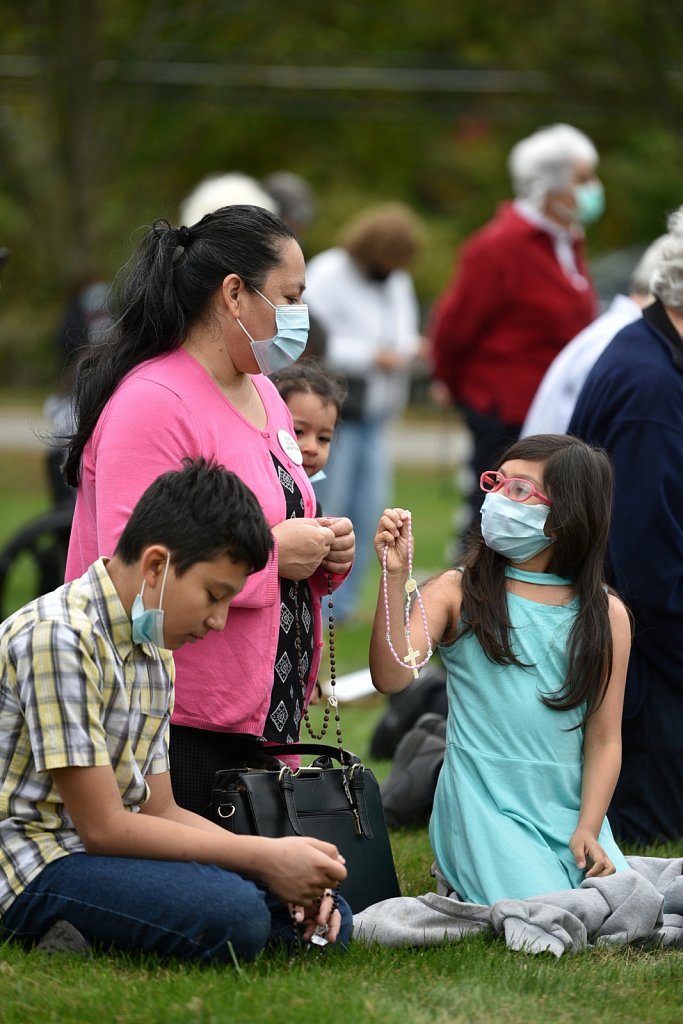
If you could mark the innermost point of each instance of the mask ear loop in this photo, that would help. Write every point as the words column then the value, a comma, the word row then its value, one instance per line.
column 242, row 325
column 163, row 582
column 271, row 304
column 237, row 319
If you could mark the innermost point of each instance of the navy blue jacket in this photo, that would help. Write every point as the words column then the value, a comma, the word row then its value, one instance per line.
column 632, row 405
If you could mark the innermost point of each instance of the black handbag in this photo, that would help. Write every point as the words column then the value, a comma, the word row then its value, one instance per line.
column 339, row 803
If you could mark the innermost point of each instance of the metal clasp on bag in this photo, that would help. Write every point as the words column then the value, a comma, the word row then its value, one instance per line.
column 357, row 827
column 220, row 807
column 361, row 819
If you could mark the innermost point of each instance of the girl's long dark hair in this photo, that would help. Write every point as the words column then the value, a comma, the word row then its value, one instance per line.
column 169, row 284
column 578, row 480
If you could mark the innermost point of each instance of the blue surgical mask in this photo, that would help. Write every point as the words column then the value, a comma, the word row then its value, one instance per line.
column 289, row 341
column 148, row 623
column 513, row 528
column 590, row 202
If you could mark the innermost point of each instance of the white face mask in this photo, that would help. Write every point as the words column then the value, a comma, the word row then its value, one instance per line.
column 513, row 528
column 289, row 341
column 148, row 623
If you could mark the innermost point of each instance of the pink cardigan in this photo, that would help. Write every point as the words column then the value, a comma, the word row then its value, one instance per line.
column 164, row 410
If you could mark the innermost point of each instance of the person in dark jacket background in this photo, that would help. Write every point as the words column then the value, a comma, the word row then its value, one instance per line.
column 632, row 405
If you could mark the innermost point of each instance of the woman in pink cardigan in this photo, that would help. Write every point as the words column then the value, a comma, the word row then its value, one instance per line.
column 184, row 375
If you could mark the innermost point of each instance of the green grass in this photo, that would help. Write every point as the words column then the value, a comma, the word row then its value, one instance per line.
column 476, row 980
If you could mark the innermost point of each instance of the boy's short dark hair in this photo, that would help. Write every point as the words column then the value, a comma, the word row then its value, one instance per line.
column 199, row 513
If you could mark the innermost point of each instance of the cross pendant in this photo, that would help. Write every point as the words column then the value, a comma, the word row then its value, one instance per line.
column 411, row 658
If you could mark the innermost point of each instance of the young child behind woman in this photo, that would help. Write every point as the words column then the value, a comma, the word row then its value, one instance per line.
column 315, row 400
column 536, row 650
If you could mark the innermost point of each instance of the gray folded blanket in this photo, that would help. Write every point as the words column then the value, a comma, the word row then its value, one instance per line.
column 642, row 906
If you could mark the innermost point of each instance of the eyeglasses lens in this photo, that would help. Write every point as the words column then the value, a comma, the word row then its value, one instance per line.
column 518, row 490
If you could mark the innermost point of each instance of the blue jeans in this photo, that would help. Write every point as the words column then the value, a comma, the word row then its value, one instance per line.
column 359, row 485
column 170, row 908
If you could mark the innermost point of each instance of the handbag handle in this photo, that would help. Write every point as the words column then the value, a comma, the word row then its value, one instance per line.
column 345, row 757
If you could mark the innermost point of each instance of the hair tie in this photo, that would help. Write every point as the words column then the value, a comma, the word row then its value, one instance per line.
column 183, row 237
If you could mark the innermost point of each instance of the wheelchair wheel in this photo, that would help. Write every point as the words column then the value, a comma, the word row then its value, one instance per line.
column 33, row 561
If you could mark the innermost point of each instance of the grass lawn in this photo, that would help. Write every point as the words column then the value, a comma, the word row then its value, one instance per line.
column 476, row 980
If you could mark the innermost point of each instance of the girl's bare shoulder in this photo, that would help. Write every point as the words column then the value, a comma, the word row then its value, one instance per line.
column 445, row 584
column 444, row 594
column 620, row 616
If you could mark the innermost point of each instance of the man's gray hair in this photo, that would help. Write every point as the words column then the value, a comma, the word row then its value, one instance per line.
column 666, row 282
column 544, row 161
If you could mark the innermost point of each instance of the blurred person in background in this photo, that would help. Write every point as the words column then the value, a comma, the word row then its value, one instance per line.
column 294, row 198
column 520, row 292
column 632, row 405
column 217, row 190
column 87, row 317
column 553, row 404
column 363, row 294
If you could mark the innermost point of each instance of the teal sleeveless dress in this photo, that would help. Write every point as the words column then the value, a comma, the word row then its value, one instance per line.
column 508, row 796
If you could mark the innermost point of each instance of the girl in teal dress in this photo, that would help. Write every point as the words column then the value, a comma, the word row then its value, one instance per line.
column 535, row 647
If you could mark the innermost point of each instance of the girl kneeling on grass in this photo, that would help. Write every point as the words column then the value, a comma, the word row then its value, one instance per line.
column 536, row 648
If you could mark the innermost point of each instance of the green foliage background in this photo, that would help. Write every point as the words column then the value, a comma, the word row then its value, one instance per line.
column 111, row 111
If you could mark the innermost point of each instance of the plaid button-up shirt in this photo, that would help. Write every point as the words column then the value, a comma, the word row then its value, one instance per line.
column 75, row 691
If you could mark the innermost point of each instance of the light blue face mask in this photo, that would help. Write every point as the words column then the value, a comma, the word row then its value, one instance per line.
column 590, row 202
column 289, row 341
column 148, row 623
column 513, row 528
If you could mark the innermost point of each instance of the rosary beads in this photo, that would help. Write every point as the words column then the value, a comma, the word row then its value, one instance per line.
column 331, row 703
column 410, row 587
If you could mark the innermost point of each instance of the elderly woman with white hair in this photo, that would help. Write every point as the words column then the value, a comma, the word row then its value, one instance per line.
column 632, row 405
column 520, row 292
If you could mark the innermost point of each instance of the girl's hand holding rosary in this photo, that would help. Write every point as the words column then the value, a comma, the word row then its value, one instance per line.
column 394, row 546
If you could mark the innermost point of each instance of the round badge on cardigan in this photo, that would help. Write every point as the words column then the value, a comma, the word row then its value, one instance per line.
column 290, row 447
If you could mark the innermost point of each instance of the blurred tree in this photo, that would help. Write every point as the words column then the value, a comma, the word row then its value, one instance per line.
column 111, row 110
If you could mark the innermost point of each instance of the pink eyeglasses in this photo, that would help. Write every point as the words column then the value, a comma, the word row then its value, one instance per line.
column 512, row 487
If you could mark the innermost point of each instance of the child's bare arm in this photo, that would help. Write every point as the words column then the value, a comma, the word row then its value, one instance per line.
column 440, row 597
column 602, row 753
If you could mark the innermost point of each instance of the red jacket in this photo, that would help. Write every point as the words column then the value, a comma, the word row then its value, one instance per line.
column 506, row 314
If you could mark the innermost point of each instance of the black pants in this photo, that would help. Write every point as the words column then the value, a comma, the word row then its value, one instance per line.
column 197, row 754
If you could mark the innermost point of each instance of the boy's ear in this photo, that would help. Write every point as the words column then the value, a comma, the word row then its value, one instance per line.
column 153, row 563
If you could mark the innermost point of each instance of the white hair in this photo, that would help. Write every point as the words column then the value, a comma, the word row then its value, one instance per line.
column 641, row 275
column 544, row 161
column 666, row 282
column 233, row 189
